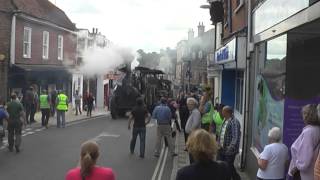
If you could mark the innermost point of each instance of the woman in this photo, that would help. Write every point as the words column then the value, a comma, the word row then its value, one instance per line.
column 89, row 170
column 305, row 148
column 317, row 164
column 274, row 157
column 203, row 147
column 206, row 109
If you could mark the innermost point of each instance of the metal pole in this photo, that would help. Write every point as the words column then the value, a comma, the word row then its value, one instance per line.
column 189, row 74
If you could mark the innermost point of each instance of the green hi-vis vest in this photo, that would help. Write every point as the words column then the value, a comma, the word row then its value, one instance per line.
column 62, row 102
column 207, row 117
column 44, row 103
column 218, row 120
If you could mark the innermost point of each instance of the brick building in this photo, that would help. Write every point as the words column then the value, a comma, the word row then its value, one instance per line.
column 42, row 46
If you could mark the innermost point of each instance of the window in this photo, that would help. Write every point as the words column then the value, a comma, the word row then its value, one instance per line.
column 27, row 42
column 45, row 45
column 60, row 47
column 239, row 92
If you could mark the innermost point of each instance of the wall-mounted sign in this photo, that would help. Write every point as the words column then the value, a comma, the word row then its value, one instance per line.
column 226, row 53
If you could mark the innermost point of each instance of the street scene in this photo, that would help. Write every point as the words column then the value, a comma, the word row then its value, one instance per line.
column 159, row 90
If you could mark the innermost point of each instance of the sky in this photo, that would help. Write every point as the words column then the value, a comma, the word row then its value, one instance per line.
column 138, row 24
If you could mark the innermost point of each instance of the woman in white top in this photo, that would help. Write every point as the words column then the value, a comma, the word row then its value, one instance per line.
column 274, row 158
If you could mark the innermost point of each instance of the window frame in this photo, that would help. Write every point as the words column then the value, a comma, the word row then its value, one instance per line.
column 241, row 3
column 60, row 47
column 26, row 53
column 45, row 45
column 239, row 106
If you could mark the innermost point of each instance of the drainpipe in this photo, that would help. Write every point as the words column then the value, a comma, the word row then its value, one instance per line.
column 246, row 114
column 13, row 40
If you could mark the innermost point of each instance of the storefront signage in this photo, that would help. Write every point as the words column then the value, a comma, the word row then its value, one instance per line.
column 226, row 53
column 272, row 12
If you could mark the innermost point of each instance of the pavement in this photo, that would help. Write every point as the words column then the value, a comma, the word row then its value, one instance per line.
column 183, row 158
column 70, row 117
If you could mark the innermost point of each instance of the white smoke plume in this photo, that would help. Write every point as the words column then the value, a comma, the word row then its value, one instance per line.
column 99, row 61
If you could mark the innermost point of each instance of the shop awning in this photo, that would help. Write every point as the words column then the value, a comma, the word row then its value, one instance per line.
column 41, row 68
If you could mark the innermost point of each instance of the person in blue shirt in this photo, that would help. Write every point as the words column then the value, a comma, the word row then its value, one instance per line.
column 3, row 116
column 162, row 114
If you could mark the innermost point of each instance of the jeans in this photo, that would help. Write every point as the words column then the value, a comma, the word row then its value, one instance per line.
column 45, row 116
column 30, row 111
column 78, row 108
column 142, row 134
column 14, row 130
column 230, row 160
column 61, row 114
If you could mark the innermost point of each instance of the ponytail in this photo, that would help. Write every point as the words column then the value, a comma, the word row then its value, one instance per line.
column 86, row 164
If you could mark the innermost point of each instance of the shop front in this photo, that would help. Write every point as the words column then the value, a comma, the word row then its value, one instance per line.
column 285, row 71
column 231, row 78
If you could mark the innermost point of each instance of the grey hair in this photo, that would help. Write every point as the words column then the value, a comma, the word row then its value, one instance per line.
column 275, row 134
column 191, row 99
column 318, row 109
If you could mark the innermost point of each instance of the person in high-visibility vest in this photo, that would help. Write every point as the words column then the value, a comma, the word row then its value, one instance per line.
column 45, row 108
column 62, row 107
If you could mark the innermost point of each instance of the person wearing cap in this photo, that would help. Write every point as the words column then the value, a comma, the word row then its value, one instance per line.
column 45, row 108
column 15, row 110
column 162, row 114
column 62, row 107
column 274, row 157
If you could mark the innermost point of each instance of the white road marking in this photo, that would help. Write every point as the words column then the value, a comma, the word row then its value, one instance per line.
column 163, row 164
column 104, row 134
column 38, row 130
column 158, row 164
column 28, row 129
column 150, row 125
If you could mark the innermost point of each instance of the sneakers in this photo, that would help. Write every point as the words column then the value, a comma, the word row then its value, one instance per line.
column 157, row 155
column 174, row 154
column 17, row 149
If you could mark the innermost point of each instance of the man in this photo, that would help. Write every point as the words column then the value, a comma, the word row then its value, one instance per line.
column 162, row 114
column 15, row 110
column 62, row 107
column 3, row 117
column 138, row 115
column 229, row 140
column 30, row 101
column 45, row 108
column 53, row 102
column 77, row 101
column 90, row 102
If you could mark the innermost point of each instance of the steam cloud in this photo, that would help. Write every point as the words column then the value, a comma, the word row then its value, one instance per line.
column 99, row 61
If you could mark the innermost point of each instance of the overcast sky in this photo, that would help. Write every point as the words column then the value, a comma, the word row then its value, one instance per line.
column 146, row 24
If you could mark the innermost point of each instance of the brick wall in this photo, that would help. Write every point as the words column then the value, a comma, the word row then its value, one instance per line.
column 69, row 44
column 239, row 18
column 5, row 29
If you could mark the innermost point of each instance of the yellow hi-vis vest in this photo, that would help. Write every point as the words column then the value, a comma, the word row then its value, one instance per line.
column 44, row 103
column 62, row 102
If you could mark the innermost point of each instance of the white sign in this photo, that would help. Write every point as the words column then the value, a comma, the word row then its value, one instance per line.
column 226, row 53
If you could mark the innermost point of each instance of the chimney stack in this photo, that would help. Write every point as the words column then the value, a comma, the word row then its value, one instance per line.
column 200, row 29
column 190, row 34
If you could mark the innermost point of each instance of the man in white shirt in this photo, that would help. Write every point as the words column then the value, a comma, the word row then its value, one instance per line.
column 274, row 158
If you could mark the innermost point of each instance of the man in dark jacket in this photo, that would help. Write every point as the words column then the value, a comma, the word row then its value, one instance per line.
column 15, row 110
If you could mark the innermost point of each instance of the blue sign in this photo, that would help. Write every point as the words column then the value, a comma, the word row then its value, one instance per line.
column 226, row 53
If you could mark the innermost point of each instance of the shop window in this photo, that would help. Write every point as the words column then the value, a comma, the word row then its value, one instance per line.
column 239, row 92
column 27, row 42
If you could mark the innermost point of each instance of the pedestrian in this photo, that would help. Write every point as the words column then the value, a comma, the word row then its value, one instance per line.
column 215, row 126
column 317, row 164
column 162, row 114
column 3, row 117
column 194, row 120
column 88, row 169
column 140, row 117
column 15, row 110
column 229, row 140
column 274, row 158
column 183, row 112
column 53, row 102
column 77, row 101
column 304, row 150
column 30, row 101
column 90, row 101
column 62, row 107
column 172, row 106
column 203, row 147
column 45, row 108
column 206, row 109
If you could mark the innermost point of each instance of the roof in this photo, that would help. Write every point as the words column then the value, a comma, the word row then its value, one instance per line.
column 44, row 9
